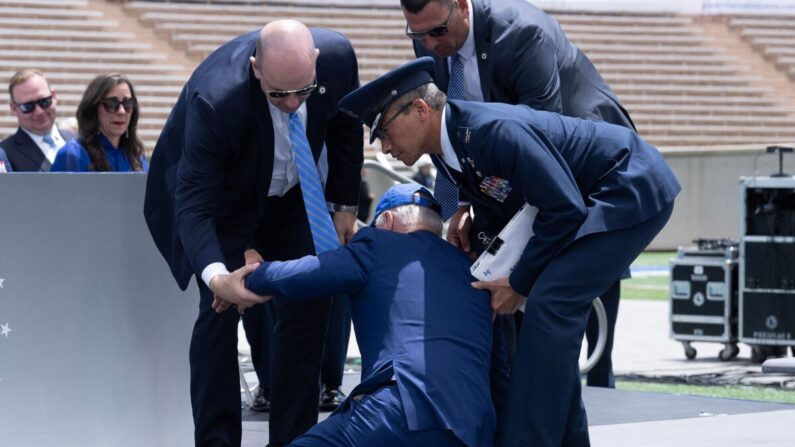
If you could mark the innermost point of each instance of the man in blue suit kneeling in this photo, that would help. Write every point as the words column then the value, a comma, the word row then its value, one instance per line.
column 423, row 331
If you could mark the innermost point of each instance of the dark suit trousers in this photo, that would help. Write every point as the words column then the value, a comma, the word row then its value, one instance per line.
column 602, row 373
column 337, row 338
column 214, row 377
column 258, row 325
column 299, row 328
column 544, row 406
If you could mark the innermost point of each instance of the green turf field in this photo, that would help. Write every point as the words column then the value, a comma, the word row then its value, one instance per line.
column 726, row 392
column 648, row 287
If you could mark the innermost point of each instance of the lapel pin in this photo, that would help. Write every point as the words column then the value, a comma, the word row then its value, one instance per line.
column 322, row 90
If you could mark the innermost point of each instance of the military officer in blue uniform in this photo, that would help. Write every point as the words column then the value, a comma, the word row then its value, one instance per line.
column 423, row 331
column 602, row 195
column 511, row 51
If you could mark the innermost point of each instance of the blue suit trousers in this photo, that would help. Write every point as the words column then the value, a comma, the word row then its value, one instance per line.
column 377, row 420
column 544, row 405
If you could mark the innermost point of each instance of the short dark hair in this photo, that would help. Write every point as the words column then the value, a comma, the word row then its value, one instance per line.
column 415, row 6
column 88, row 124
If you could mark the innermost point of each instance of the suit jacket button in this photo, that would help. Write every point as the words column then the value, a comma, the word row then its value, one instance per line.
column 483, row 56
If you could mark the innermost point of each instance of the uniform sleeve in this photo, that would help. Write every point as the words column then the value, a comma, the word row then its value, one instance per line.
column 199, row 185
column 537, row 171
column 535, row 74
column 344, row 270
column 345, row 141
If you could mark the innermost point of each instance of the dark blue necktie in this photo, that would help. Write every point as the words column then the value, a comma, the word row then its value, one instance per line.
column 445, row 191
column 323, row 233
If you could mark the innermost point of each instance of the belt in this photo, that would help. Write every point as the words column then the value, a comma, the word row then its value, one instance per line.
column 359, row 396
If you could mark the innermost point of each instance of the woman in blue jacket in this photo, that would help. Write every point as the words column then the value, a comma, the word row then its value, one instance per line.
column 107, row 121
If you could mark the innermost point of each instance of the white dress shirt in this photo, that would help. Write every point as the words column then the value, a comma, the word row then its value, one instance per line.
column 49, row 151
column 472, row 90
column 284, row 177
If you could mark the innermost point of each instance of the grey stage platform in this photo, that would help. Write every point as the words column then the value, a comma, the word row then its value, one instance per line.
column 639, row 419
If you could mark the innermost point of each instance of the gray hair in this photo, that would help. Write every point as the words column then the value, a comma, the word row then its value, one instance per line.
column 416, row 217
column 430, row 93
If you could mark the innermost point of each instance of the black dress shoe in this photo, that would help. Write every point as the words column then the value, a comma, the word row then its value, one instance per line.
column 261, row 403
column 331, row 398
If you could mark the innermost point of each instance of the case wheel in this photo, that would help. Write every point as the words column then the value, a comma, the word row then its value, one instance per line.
column 690, row 351
column 729, row 352
column 761, row 353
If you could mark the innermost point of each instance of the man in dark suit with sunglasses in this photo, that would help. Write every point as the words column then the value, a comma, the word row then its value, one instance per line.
column 223, row 189
column 512, row 52
column 33, row 147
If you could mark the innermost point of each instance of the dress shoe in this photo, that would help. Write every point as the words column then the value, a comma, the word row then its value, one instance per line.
column 331, row 398
column 261, row 403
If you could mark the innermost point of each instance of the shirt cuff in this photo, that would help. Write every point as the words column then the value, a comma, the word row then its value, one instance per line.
column 216, row 268
column 464, row 204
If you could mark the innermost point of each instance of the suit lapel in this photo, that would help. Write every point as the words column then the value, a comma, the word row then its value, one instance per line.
column 482, row 43
column 316, row 106
column 30, row 150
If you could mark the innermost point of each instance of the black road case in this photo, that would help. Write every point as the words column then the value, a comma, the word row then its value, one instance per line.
column 703, row 296
column 767, row 265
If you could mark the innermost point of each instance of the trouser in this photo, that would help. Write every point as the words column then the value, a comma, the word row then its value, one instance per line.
column 258, row 326
column 602, row 372
column 214, row 376
column 337, row 337
column 544, row 405
column 299, row 327
column 376, row 419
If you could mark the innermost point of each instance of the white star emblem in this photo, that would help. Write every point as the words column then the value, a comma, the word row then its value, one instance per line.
column 4, row 330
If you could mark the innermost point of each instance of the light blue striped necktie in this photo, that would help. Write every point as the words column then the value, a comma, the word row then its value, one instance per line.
column 49, row 140
column 323, row 233
column 444, row 190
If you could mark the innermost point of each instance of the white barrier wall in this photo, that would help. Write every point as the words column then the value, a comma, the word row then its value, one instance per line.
column 95, row 332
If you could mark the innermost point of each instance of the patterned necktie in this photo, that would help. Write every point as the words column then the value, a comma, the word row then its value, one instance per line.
column 323, row 233
column 444, row 190
column 48, row 139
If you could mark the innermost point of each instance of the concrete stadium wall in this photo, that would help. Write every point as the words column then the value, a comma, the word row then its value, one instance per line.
column 97, row 352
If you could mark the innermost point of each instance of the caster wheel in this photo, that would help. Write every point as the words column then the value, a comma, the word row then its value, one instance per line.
column 690, row 352
column 728, row 353
column 758, row 354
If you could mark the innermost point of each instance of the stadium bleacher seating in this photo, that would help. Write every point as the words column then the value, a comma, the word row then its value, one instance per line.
column 681, row 84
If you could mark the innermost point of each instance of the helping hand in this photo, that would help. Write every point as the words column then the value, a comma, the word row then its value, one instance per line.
column 458, row 229
column 231, row 289
column 346, row 226
column 504, row 300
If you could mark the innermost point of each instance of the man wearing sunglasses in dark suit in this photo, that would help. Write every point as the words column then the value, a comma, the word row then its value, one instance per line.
column 512, row 52
column 33, row 147
column 223, row 190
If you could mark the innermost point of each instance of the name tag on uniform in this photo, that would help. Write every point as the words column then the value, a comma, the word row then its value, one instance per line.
column 496, row 188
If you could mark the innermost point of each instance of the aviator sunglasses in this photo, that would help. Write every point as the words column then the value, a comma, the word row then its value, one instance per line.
column 30, row 106
column 381, row 131
column 111, row 105
column 303, row 91
column 439, row 31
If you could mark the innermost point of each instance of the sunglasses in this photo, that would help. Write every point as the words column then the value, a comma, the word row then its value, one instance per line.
column 381, row 132
column 439, row 31
column 111, row 105
column 303, row 91
column 30, row 106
